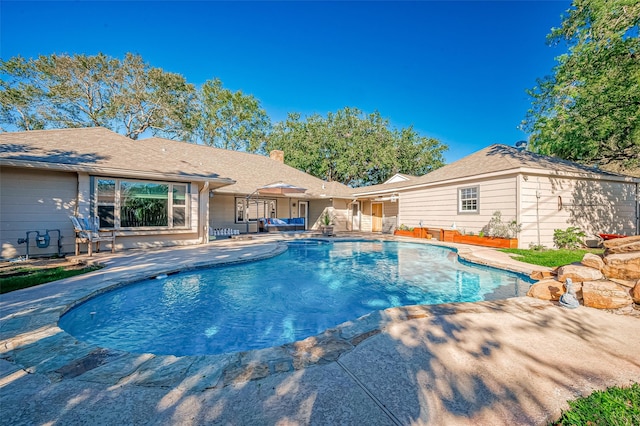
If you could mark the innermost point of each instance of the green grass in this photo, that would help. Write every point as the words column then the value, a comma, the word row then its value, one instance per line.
column 614, row 406
column 29, row 277
column 550, row 258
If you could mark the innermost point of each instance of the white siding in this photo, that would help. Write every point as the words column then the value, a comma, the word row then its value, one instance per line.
column 437, row 207
column 594, row 206
column 32, row 200
column 390, row 216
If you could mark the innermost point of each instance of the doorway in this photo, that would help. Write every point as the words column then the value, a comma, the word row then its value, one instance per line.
column 376, row 217
column 303, row 211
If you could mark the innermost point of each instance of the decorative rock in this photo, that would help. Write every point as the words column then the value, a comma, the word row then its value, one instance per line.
column 625, row 283
column 548, row 289
column 604, row 295
column 635, row 293
column 593, row 261
column 541, row 275
column 578, row 273
column 551, row 289
column 622, row 245
column 624, row 266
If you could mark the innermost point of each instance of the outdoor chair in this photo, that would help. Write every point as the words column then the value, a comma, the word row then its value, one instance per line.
column 87, row 232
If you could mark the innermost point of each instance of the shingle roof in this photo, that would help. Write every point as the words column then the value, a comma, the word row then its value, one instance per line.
column 492, row 159
column 101, row 151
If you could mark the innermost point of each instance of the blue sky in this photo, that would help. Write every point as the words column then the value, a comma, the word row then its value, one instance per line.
column 455, row 70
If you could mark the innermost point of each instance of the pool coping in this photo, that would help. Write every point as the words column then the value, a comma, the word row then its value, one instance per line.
column 31, row 339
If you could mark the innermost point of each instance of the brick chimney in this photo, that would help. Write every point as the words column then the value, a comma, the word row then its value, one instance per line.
column 277, row 155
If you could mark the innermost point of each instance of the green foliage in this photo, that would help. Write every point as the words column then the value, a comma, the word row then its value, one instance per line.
column 550, row 258
column 614, row 406
column 326, row 219
column 231, row 120
column 127, row 96
column 497, row 228
column 570, row 238
column 589, row 109
column 29, row 277
column 404, row 227
column 353, row 148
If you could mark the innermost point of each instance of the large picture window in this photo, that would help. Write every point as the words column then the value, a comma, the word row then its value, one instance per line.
column 126, row 204
column 468, row 200
column 257, row 209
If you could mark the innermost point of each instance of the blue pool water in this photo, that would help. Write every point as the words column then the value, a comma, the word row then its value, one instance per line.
column 309, row 288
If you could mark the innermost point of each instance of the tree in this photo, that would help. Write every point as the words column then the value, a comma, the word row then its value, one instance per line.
column 589, row 110
column 353, row 148
column 231, row 120
column 127, row 96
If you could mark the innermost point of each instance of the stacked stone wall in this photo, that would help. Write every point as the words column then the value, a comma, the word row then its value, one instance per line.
column 610, row 281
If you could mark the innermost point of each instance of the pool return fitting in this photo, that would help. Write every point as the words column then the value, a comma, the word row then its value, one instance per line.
column 42, row 241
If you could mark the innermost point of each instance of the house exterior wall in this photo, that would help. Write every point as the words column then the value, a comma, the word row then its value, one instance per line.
column 316, row 210
column 437, row 206
column 365, row 216
column 594, row 206
column 390, row 216
column 222, row 211
column 340, row 214
column 34, row 200
column 151, row 238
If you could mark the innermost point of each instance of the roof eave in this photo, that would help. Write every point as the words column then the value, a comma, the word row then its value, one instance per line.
column 514, row 171
column 115, row 172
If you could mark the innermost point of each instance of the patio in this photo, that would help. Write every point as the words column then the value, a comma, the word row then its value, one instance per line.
column 510, row 362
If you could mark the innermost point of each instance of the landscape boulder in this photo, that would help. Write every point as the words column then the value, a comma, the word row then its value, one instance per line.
column 542, row 275
column 605, row 295
column 622, row 245
column 623, row 266
column 593, row 261
column 579, row 273
column 551, row 289
column 635, row 293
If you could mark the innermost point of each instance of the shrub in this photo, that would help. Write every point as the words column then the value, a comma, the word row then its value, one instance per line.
column 570, row 238
column 497, row 228
column 404, row 227
column 326, row 219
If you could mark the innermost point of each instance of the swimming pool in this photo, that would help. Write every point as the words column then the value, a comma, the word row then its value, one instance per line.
column 309, row 288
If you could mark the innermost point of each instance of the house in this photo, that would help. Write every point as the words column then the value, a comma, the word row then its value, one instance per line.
column 153, row 192
column 158, row 192
column 541, row 193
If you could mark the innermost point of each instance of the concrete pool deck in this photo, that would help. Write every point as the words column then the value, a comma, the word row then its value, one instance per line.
column 515, row 361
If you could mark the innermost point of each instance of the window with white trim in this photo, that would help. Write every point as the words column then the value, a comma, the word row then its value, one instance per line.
column 134, row 204
column 468, row 200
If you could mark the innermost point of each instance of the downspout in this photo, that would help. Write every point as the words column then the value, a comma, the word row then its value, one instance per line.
column 518, row 202
column 538, row 195
column 203, row 208
column 638, row 208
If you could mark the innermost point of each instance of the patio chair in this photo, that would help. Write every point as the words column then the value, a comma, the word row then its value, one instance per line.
column 87, row 232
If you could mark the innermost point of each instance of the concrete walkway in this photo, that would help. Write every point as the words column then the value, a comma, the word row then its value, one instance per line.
column 509, row 362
